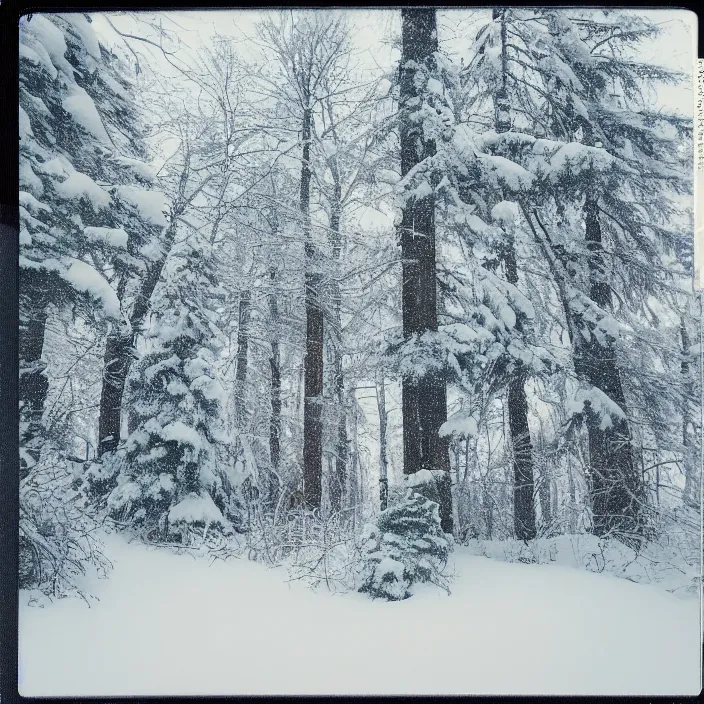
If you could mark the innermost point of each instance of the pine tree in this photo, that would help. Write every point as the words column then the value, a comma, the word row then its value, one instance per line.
column 406, row 545
column 81, row 160
column 608, row 164
column 170, row 474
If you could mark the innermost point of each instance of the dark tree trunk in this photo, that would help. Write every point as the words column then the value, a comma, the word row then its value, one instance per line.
column 275, row 422
column 424, row 400
column 523, row 484
column 242, row 359
column 523, row 508
column 313, row 363
column 119, row 352
column 573, row 500
column 341, row 450
column 523, row 487
column 615, row 487
column 383, row 463
column 33, row 384
column 116, row 363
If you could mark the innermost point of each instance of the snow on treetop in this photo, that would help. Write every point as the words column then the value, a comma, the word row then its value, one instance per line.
column 599, row 403
column 47, row 39
column 80, row 186
column 144, row 171
column 85, row 33
column 506, row 213
column 88, row 280
column 113, row 85
column 434, row 86
column 196, row 508
column 25, row 124
column 113, row 237
column 34, row 206
column 180, row 432
column 503, row 172
column 37, row 55
column 82, row 108
column 151, row 205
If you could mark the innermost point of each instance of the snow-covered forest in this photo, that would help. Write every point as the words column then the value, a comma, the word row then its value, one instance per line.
column 365, row 297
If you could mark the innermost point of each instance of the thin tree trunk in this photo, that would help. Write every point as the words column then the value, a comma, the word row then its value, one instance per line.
column 424, row 400
column 573, row 499
column 354, row 464
column 544, row 485
column 242, row 359
column 341, row 450
column 383, row 465
column 275, row 422
column 313, row 363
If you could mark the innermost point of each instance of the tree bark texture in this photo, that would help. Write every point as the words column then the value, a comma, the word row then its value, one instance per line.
column 275, row 421
column 313, row 363
column 523, row 465
column 242, row 359
column 338, row 479
column 616, row 490
column 424, row 400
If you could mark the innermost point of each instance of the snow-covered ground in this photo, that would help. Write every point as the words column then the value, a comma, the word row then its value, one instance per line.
column 170, row 624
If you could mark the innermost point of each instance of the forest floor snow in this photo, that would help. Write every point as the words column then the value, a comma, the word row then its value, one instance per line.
column 166, row 624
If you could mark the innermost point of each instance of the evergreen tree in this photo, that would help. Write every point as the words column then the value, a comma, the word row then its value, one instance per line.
column 170, row 470
column 406, row 545
column 80, row 161
column 610, row 166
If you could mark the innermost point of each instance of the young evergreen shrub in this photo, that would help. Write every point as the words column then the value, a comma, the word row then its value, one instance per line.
column 404, row 546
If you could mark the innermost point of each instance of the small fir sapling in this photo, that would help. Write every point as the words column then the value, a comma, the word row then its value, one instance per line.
column 406, row 544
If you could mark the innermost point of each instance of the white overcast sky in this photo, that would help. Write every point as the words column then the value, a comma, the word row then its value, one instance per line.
column 372, row 33
column 373, row 28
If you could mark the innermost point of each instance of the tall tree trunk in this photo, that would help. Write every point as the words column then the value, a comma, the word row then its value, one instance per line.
column 119, row 351
column 424, row 400
column 523, row 482
column 546, row 511
column 341, row 449
column 313, row 363
column 275, row 421
column 573, row 499
column 523, row 507
column 242, row 359
column 383, row 463
column 33, row 383
column 616, row 489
